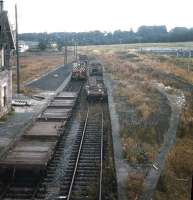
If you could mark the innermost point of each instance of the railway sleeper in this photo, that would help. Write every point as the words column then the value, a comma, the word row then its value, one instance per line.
column 72, row 162
column 21, row 189
column 50, row 176
column 88, row 176
column 92, row 142
column 93, row 134
column 91, row 152
column 48, row 179
column 83, row 172
column 51, row 171
column 91, row 148
column 52, row 168
column 89, row 158
column 19, row 196
column 85, row 168
column 82, row 198
column 88, row 164
column 91, row 167
column 83, row 194
column 92, row 137
column 87, row 171
column 82, row 179
column 76, row 144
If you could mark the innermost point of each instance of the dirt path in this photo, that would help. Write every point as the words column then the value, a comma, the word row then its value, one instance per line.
column 151, row 180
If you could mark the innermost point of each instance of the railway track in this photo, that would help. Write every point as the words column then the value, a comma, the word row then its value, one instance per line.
column 84, row 173
column 82, row 177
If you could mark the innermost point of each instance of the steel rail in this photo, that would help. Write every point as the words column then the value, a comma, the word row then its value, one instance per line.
column 78, row 157
column 101, row 167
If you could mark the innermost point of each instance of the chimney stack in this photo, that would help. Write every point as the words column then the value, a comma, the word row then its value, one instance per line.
column 1, row 6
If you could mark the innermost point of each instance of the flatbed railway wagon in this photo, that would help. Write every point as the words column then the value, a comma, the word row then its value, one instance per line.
column 33, row 150
column 95, row 89
column 79, row 71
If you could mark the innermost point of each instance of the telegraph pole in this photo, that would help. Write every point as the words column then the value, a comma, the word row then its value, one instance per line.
column 17, row 52
column 65, row 54
column 189, row 60
column 76, row 47
column 65, row 50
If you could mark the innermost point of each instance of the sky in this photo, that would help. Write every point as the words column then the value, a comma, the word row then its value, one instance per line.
column 103, row 15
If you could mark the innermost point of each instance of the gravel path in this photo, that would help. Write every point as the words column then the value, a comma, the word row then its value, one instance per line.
column 53, row 188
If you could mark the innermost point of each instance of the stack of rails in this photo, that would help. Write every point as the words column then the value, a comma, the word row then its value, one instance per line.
column 35, row 148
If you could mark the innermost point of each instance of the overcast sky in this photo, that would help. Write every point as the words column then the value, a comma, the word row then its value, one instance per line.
column 104, row 15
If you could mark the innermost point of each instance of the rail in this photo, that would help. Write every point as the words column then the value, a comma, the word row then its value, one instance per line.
column 78, row 157
column 101, row 168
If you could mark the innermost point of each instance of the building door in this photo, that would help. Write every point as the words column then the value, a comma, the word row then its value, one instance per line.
column 4, row 96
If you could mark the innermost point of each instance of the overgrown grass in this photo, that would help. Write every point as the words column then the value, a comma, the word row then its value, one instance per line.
column 135, row 185
column 132, row 73
column 33, row 65
column 175, row 182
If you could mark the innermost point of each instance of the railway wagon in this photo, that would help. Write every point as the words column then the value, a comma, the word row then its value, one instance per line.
column 95, row 89
column 79, row 71
column 35, row 148
column 95, row 69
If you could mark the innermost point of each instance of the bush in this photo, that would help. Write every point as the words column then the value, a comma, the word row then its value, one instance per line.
column 180, row 158
column 135, row 185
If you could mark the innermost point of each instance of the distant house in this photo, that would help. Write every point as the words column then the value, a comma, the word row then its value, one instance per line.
column 23, row 47
column 6, row 47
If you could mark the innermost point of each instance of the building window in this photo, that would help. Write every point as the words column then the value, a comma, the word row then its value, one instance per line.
column 2, row 58
column 4, row 96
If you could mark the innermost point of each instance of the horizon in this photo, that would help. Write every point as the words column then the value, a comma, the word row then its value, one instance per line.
column 135, row 31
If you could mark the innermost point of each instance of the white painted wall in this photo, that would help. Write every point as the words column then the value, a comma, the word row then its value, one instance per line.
column 5, row 81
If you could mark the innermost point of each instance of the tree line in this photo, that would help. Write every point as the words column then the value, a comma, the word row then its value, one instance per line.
column 144, row 34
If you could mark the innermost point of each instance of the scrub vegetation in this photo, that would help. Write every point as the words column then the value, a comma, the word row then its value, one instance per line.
column 144, row 113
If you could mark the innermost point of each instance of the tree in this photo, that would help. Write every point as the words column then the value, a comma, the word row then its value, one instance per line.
column 152, row 33
column 144, row 34
column 178, row 34
column 44, row 41
column 43, row 44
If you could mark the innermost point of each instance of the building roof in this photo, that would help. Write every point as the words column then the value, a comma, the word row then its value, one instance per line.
column 6, row 35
